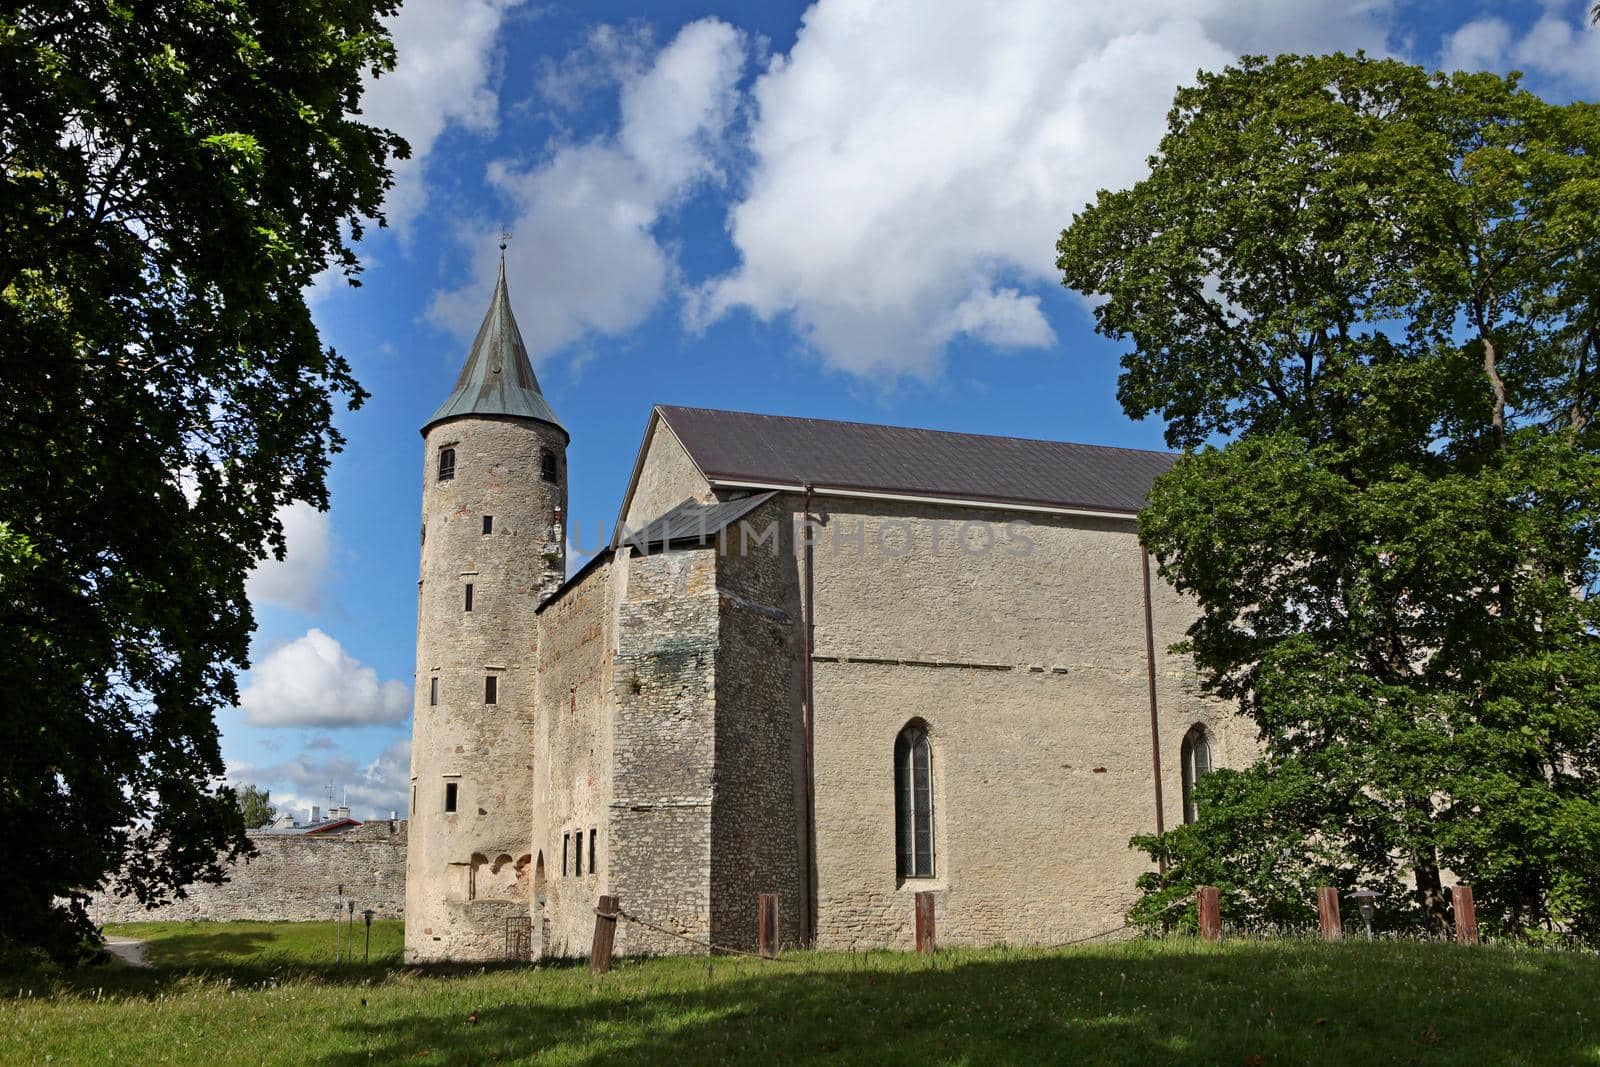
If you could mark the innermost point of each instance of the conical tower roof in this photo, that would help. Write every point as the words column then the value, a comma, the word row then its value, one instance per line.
column 498, row 378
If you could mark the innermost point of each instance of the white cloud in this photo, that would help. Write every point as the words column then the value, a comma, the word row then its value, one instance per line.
column 915, row 159
column 1564, row 50
column 313, row 681
column 586, row 259
column 443, row 76
column 374, row 788
column 297, row 581
column 1484, row 44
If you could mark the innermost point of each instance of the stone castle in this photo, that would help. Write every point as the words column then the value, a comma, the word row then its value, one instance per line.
column 837, row 662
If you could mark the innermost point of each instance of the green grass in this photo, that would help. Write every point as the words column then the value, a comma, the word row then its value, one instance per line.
column 262, row 947
column 268, row 994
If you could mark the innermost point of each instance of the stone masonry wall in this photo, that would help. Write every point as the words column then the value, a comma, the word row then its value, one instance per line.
column 757, row 830
column 291, row 879
column 572, row 758
column 663, row 746
column 667, row 478
column 1026, row 662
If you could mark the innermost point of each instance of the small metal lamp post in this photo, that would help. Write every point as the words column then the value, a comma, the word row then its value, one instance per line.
column 1365, row 898
column 367, row 956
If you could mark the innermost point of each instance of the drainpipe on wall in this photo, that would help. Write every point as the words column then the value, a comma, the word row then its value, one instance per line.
column 808, row 772
column 1150, row 675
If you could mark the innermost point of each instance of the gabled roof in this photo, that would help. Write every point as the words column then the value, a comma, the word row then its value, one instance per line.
column 737, row 449
column 497, row 379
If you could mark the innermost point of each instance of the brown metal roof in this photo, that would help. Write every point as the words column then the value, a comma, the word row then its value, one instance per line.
column 736, row 446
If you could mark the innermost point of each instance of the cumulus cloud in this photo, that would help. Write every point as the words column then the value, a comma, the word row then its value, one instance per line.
column 313, row 681
column 444, row 76
column 297, row 581
column 586, row 259
column 374, row 788
column 914, row 159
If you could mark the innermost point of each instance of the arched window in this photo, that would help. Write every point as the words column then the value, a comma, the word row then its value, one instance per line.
column 547, row 465
column 913, row 803
column 1196, row 760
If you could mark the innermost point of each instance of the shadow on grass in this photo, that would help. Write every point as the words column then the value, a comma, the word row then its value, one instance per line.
column 1294, row 1002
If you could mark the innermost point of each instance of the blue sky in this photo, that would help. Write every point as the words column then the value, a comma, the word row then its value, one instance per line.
column 842, row 210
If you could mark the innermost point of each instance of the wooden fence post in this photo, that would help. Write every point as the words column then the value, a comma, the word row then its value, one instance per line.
column 1328, row 913
column 1210, row 913
column 767, row 926
column 605, row 935
column 1466, row 915
column 925, row 935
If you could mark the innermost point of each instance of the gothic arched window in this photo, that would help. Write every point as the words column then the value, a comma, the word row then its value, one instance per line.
column 913, row 803
column 1196, row 759
column 547, row 466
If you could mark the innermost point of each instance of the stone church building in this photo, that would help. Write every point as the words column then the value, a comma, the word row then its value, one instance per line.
column 839, row 662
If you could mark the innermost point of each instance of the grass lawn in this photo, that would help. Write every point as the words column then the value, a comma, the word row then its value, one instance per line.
column 269, row 993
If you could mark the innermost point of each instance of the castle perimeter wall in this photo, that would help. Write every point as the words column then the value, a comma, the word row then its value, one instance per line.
column 292, row 878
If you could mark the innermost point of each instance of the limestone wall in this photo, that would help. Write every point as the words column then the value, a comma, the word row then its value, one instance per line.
column 667, row 478
column 572, row 758
column 1024, row 654
column 757, row 820
column 292, row 879
column 663, row 746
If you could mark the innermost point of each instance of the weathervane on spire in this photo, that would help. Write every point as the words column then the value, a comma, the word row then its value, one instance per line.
column 505, row 239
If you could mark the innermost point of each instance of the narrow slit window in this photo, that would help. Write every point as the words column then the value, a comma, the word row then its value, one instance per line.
column 577, row 856
column 566, row 847
column 469, row 597
column 488, row 525
column 491, row 689
column 913, row 790
column 451, row 792
column 413, row 798
column 591, row 849
column 447, row 464
column 1195, row 757
column 433, row 691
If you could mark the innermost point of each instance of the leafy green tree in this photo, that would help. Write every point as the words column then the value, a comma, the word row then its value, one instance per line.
column 255, row 805
column 174, row 175
column 1364, row 300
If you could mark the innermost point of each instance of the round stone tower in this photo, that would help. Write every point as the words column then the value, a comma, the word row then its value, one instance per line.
column 494, row 497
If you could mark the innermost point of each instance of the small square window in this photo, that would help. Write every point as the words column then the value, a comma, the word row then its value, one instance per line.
column 447, row 464
column 488, row 525
column 591, row 849
column 433, row 691
column 469, row 596
column 451, row 791
column 491, row 690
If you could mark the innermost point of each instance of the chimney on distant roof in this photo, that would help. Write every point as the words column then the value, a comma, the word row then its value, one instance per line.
column 316, row 814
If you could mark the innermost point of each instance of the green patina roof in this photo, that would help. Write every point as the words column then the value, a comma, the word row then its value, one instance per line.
column 497, row 378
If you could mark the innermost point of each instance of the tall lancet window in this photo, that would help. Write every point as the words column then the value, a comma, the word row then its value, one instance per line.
column 1196, row 759
column 913, row 803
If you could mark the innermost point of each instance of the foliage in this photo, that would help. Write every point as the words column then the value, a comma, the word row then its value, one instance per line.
column 1137, row 1002
column 174, row 175
column 1363, row 299
column 255, row 805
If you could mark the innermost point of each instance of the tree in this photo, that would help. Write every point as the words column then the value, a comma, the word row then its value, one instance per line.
column 255, row 806
column 175, row 174
column 1364, row 300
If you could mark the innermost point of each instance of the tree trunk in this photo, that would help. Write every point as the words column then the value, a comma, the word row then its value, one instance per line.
column 1431, row 897
column 1498, row 385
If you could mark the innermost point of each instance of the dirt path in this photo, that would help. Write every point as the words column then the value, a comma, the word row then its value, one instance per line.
column 127, row 949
